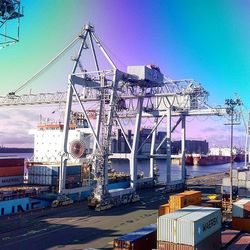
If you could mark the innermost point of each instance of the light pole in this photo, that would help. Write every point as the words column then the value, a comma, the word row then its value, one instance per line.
column 231, row 104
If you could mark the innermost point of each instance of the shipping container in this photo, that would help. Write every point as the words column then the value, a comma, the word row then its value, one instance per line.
column 246, row 208
column 177, row 201
column 11, row 161
column 213, row 242
column 228, row 236
column 241, row 243
column 244, row 192
column 226, row 182
column 49, row 175
column 11, row 180
column 184, row 199
column 242, row 176
column 192, row 229
column 144, row 238
column 241, row 208
column 241, row 184
column 241, row 224
column 52, row 180
column 163, row 209
column 235, row 173
column 53, row 170
column 166, row 224
column 11, row 171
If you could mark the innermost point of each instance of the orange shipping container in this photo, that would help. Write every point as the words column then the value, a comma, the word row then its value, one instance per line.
column 163, row 209
column 177, row 201
column 11, row 171
column 241, row 224
column 184, row 199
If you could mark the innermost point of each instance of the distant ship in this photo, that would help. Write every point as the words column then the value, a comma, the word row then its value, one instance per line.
column 206, row 160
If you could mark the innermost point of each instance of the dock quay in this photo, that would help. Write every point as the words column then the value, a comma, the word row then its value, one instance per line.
column 68, row 227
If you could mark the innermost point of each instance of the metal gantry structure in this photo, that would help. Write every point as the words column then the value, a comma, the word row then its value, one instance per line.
column 10, row 14
column 120, row 96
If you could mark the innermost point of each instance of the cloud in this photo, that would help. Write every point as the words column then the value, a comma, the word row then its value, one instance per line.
column 16, row 123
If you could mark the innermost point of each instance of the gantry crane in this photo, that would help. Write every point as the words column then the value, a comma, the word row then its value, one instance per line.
column 141, row 92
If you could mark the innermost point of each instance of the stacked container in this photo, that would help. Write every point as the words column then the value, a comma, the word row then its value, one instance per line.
column 184, row 199
column 190, row 228
column 241, row 215
column 49, row 175
column 141, row 239
column 11, row 171
column 240, row 182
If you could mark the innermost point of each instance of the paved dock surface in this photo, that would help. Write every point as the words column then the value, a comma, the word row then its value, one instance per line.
column 208, row 180
column 77, row 227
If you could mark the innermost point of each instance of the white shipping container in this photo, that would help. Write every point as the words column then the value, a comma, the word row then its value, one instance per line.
column 248, row 184
column 194, row 228
column 248, row 175
column 242, row 176
column 235, row 173
column 238, row 210
column 241, row 184
column 226, row 182
column 166, row 224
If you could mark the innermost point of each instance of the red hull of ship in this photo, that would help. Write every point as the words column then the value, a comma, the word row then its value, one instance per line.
column 206, row 160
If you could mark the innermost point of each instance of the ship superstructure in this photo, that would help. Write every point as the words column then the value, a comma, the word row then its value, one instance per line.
column 48, row 139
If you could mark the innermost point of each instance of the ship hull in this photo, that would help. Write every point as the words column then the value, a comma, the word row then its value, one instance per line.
column 207, row 160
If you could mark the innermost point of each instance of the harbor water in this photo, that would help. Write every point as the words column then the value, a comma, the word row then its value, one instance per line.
column 122, row 165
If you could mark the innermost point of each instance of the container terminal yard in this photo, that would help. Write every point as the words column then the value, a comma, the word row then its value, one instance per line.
column 70, row 196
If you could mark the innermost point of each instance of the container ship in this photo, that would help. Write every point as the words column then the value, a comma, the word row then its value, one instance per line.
column 38, row 187
column 216, row 156
column 206, row 160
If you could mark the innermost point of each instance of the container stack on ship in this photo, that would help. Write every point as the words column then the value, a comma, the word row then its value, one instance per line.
column 11, row 171
column 45, row 167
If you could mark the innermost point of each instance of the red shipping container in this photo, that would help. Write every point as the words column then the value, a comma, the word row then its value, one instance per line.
column 241, row 224
column 228, row 236
column 246, row 211
column 213, row 242
column 9, row 162
column 11, row 171
column 241, row 243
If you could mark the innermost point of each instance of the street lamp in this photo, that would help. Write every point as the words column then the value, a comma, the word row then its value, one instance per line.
column 230, row 108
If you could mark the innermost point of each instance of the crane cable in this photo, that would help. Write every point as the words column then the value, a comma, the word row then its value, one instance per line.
column 44, row 68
